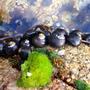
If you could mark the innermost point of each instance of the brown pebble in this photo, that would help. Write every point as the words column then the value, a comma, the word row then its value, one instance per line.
column 68, row 80
column 73, row 76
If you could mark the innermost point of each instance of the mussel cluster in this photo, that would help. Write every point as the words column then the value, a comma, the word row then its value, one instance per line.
column 38, row 37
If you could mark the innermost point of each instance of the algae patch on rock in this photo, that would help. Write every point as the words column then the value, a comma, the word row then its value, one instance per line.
column 36, row 71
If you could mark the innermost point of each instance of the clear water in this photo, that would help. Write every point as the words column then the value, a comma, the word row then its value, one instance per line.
column 69, row 14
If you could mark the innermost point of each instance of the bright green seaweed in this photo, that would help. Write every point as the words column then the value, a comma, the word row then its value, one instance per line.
column 36, row 71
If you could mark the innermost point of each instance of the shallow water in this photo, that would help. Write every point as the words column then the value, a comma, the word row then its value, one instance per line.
column 69, row 14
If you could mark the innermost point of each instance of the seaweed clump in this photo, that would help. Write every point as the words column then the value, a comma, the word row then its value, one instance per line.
column 81, row 85
column 36, row 71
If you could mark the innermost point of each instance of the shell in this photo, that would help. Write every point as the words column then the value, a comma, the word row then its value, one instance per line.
column 10, row 48
column 39, row 40
column 25, row 49
column 86, row 38
column 57, row 38
column 74, row 38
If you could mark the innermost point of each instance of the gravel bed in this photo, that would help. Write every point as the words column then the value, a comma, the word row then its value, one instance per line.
column 7, row 73
column 77, row 62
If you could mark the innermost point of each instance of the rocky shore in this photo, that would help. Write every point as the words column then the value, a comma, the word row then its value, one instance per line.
column 76, row 63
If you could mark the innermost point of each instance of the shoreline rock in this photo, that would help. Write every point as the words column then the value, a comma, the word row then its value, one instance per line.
column 76, row 61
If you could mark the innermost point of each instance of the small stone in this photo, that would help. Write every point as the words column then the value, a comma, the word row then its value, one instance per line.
column 75, row 71
column 68, row 80
column 73, row 76
column 88, row 76
column 81, row 74
column 61, row 52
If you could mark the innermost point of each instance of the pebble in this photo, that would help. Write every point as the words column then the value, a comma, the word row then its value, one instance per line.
column 88, row 76
column 77, row 61
column 68, row 80
column 75, row 71
column 61, row 52
column 73, row 76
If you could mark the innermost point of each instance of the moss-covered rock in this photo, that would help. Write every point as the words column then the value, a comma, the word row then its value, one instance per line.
column 36, row 71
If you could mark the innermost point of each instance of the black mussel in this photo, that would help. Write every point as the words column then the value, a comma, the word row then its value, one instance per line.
column 60, row 31
column 25, row 49
column 74, row 37
column 2, row 49
column 36, row 29
column 38, row 35
column 10, row 48
column 86, row 38
column 24, row 52
column 45, row 30
column 28, row 34
column 57, row 38
column 25, row 43
column 78, row 32
column 18, row 38
column 38, row 40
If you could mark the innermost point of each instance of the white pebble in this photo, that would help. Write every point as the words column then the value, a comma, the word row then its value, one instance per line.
column 61, row 52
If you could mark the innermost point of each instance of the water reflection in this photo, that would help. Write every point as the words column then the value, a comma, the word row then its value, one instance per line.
column 18, row 22
column 46, row 2
column 83, row 19
column 67, row 14
column 32, row 2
